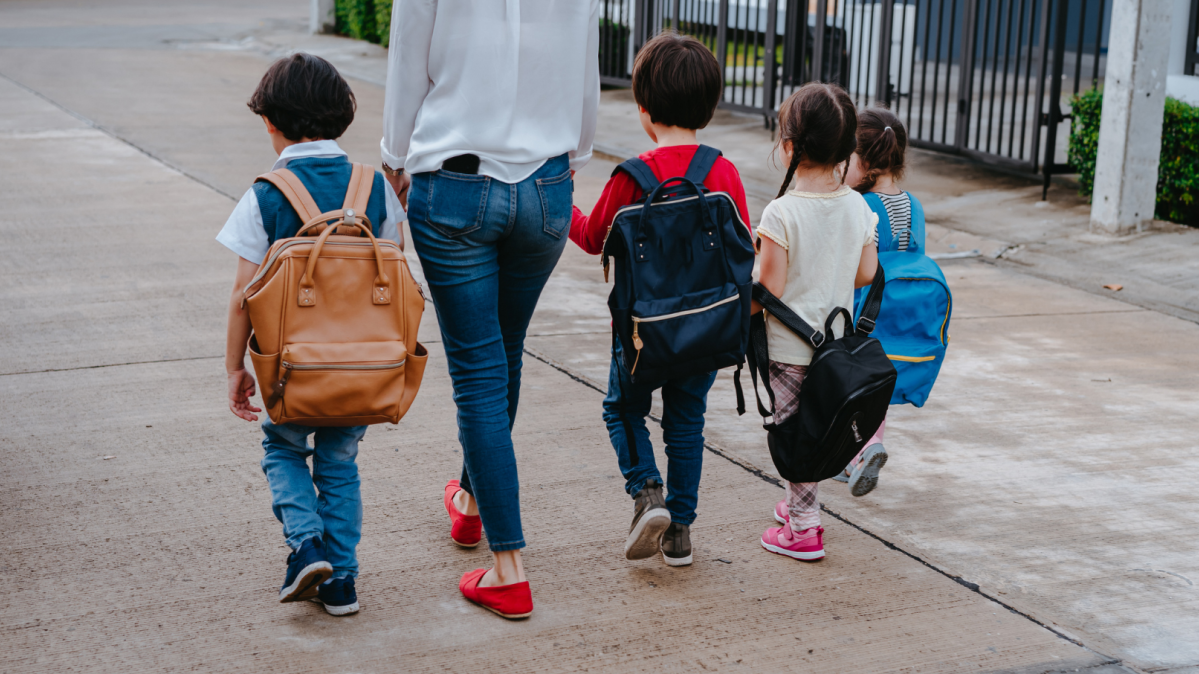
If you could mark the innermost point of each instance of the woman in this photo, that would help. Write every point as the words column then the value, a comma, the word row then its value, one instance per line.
column 488, row 113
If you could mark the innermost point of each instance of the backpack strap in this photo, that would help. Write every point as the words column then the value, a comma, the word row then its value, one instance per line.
column 701, row 164
column 640, row 172
column 872, row 304
column 291, row 187
column 789, row 318
column 875, row 203
column 916, row 241
column 358, row 193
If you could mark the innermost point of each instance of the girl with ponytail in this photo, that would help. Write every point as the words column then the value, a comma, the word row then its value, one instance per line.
column 816, row 244
column 875, row 169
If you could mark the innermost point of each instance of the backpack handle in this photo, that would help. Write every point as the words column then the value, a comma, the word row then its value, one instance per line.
column 382, row 291
column 701, row 204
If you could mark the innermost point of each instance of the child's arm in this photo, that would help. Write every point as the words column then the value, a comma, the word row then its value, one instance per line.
column 773, row 272
column 241, row 382
column 867, row 266
column 589, row 232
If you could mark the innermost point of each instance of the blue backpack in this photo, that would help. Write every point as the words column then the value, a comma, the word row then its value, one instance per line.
column 681, row 300
column 913, row 325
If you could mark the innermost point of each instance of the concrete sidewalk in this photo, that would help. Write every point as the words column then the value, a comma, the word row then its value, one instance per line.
column 1046, row 472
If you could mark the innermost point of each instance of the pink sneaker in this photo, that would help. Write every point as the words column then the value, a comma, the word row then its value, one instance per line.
column 781, row 514
column 806, row 545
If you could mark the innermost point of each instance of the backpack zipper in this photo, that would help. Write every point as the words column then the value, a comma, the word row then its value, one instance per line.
column 665, row 317
column 281, row 384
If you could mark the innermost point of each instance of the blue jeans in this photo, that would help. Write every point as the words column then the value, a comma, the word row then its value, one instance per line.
column 331, row 510
column 684, row 402
column 487, row 249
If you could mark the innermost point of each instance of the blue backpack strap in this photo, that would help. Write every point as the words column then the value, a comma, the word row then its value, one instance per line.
column 885, row 239
column 703, row 161
column 916, row 241
column 640, row 172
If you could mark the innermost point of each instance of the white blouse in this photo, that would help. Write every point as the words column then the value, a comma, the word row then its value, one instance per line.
column 515, row 82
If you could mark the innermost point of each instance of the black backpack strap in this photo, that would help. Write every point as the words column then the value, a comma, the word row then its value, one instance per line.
column 640, row 172
column 787, row 317
column 703, row 161
column 758, row 358
column 872, row 304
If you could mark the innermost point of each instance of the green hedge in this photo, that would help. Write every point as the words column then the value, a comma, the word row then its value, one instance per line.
column 368, row 20
column 1178, row 170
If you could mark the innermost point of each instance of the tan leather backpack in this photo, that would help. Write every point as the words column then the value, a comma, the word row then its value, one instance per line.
column 335, row 314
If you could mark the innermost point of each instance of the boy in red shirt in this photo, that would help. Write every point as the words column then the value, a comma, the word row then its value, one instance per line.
column 677, row 84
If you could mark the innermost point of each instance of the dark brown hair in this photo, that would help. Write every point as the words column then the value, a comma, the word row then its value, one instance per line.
column 677, row 80
column 305, row 97
column 820, row 122
column 882, row 143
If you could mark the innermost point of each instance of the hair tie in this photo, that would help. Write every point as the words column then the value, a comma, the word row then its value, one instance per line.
column 887, row 128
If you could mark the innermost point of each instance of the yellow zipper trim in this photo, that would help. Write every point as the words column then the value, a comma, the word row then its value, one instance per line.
column 687, row 312
column 912, row 359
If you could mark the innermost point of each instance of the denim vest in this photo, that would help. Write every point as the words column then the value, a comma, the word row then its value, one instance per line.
column 326, row 179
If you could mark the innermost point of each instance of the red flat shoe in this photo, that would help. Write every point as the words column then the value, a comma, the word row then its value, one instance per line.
column 513, row 601
column 465, row 530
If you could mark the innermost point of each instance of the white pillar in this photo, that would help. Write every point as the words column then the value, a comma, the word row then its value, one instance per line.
column 320, row 16
column 1130, row 128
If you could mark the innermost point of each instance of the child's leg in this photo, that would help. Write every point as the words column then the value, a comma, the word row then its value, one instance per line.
column 803, row 505
column 684, row 402
column 625, row 408
column 293, row 497
column 335, row 473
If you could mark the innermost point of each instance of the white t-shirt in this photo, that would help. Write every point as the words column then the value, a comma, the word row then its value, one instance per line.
column 823, row 235
column 244, row 232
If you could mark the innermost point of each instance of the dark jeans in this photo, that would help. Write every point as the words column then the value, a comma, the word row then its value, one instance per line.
column 684, row 402
column 487, row 249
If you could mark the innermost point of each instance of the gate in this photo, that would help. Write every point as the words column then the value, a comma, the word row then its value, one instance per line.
column 986, row 79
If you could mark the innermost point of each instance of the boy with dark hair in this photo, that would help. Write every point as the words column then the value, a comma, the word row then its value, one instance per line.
column 677, row 84
column 305, row 105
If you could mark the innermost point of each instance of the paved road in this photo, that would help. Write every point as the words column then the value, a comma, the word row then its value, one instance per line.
column 124, row 139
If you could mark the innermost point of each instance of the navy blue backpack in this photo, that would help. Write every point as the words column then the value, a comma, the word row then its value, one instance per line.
column 681, row 301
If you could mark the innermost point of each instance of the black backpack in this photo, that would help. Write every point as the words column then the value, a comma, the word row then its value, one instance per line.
column 844, row 396
column 681, row 299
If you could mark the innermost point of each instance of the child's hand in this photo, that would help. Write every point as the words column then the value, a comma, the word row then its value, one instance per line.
column 241, row 387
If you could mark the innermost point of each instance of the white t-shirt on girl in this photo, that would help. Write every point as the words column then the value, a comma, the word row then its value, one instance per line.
column 823, row 235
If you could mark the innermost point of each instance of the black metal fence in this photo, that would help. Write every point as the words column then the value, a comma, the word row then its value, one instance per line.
column 988, row 79
column 1192, row 43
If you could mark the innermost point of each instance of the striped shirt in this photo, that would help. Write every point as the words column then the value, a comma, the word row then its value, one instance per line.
column 899, row 212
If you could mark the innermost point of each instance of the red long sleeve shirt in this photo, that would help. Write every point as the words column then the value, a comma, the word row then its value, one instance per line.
column 666, row 162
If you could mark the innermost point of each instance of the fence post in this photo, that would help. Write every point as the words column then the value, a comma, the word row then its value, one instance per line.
column 961, row 131
column 722, row 38
column 1053, row 116
column 818, row 40
column 769, row 64
column 882, row 81
column 1130, row 126
column 321, row 17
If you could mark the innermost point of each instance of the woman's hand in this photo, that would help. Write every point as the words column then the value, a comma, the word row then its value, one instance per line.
column 241, row 387
column 400, row 185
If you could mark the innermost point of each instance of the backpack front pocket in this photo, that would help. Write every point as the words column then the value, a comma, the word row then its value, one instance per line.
column 351, row 381
column 917, row 365
column 678, row 329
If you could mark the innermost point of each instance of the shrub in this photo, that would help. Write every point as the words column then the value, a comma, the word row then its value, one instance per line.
column 368, row 20
column 1178, row 168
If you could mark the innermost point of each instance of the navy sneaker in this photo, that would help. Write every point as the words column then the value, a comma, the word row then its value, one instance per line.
column 338, row 596
column 306, row 569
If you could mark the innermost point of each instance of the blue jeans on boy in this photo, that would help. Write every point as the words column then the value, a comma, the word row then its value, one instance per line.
column 325, row 502
column 487, row 249
column 684, row 402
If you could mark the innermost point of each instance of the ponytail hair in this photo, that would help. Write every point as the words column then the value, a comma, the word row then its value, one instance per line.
column 820, row 122
column 882, row 144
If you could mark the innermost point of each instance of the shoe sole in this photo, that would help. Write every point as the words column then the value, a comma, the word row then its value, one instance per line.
column 348, row 609
column 780, row 520
column 676, row 561
column 865, row 476
column 801, row 556
column 509, row 616
column 468, row 546
column 312, row 575
column 644, row 540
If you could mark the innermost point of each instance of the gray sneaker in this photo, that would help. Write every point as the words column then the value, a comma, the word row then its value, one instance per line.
column 676, row 545
column 650, row 519
column 864, row 478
